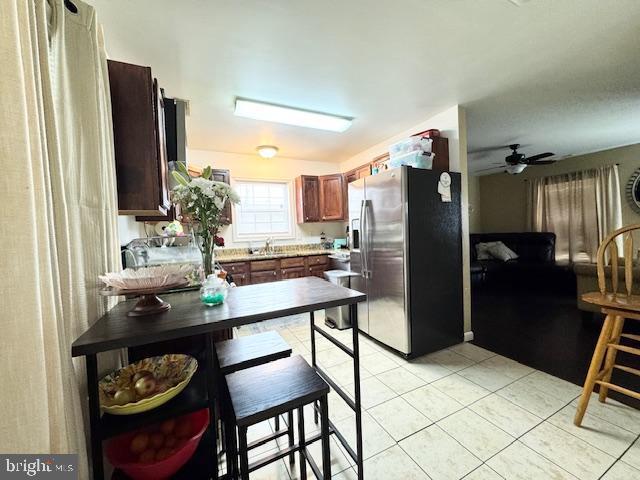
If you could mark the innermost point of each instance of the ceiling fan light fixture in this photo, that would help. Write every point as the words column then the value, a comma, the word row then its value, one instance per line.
column 267, row 151
column 515, row 169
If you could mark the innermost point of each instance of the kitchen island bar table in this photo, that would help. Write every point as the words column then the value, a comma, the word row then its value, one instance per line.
column 188, row 317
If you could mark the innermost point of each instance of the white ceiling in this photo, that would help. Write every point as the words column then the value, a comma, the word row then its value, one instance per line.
column 557, row 75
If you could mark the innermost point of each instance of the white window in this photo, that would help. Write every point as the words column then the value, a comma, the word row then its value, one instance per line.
column 264, row 210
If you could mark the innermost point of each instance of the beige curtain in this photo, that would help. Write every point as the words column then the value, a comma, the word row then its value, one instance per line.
column 59, row 217
column 581, row 208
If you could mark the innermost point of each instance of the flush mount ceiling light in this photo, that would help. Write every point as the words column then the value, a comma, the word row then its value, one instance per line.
column 267, row 151
column 291, row 116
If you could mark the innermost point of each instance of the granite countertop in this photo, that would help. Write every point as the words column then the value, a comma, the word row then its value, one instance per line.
column 245, row 257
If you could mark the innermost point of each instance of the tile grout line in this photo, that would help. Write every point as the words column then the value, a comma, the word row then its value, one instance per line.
column 516, row 439
column 486, row 465
column 535, row 451
column 619, row 459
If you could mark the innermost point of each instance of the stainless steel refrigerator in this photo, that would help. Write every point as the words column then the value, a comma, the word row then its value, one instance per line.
column 407, row 249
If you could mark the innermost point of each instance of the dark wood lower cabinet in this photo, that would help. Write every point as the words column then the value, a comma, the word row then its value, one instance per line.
column 317, row 271
column 263, row 271
column 296, row 272
column 241, row 279
column 264, row 277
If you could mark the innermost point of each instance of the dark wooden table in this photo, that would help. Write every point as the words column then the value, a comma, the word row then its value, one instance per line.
column 189, row 317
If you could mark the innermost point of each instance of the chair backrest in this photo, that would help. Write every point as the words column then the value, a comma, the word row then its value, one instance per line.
column 609, row 245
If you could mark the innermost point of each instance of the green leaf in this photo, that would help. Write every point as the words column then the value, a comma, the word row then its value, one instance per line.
column 180, row 178
column 182, row 168
column 206, row 173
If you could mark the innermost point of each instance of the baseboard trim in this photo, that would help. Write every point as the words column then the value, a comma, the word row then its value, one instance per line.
column 468, row 336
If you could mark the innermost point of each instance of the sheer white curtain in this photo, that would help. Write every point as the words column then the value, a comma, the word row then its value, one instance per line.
column 581, row 208
column 59, row 217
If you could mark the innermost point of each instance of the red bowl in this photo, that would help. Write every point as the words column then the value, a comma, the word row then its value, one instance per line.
column 120, row 456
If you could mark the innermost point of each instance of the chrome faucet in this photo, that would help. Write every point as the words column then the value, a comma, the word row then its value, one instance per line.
column 268, row 247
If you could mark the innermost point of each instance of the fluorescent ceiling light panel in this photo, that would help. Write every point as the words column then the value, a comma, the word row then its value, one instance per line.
column 291, row 116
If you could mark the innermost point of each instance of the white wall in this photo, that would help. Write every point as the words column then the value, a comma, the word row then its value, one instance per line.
column 254, row 167
column 452, row 124
column 475, row 214
column 129, row 229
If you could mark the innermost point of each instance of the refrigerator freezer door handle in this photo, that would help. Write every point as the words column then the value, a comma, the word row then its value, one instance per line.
column 363, row 238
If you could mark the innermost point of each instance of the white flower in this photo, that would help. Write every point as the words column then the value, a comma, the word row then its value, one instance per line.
column 219, row 202
column 201, row 183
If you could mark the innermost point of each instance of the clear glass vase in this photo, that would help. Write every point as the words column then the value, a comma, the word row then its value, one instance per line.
column 206, row 244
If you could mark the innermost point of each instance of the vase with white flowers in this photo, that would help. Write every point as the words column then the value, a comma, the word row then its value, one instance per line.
column 201, row 200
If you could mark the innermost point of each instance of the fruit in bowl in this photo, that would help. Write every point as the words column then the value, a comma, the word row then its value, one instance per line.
column 146, row 384
column 158, row 451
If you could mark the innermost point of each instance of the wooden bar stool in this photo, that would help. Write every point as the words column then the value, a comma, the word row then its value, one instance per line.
column 270, row 390
column 617, row 307
column 250, row 351
column 239, row 354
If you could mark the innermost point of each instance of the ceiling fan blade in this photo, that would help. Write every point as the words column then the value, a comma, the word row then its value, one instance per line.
column 490, row 168
column 487, row 149
column 543, row 162
column 534, row 158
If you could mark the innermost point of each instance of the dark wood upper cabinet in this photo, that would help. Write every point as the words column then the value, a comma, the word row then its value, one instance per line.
column 331, row 197
column 320, row 199
column 307, row 199
column 174, row 122
column 139, row 140
column 223, row 176
column 440, row 148
column 357, row 173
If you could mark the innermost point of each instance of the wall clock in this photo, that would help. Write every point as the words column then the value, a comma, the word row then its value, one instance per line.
column 633, row 191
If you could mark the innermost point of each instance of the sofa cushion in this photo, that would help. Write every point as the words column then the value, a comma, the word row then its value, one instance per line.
column 482, row 250
column 500, row 251
column 530, row 246
column 476, row 267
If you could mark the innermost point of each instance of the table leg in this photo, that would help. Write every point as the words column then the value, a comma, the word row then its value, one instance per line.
column 313, row 360
column 353, row 315
column 302, row 443
column 212, row 375
column 94, row 417
column 326, row 449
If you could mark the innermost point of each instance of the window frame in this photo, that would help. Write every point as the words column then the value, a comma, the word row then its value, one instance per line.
column 289, row 235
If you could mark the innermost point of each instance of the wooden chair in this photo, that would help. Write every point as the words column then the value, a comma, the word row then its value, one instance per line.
column 617, row 307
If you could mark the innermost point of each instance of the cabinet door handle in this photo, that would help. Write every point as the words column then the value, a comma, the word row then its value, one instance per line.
column 274, row 273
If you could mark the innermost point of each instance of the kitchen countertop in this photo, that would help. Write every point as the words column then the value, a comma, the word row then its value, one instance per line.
column 246, row 257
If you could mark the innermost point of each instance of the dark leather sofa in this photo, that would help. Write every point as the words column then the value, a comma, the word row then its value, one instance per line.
column 534, row 270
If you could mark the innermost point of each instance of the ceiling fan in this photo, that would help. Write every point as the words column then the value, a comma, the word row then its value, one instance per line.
column 517, row 162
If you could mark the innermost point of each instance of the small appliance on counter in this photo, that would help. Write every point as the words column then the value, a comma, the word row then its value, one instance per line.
column 160, row 250
column 339, row 243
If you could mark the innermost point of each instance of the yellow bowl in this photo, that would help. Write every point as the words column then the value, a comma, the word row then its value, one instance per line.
column 174, row 371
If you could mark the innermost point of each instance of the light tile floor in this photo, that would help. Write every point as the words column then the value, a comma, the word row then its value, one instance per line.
column 463, row 412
